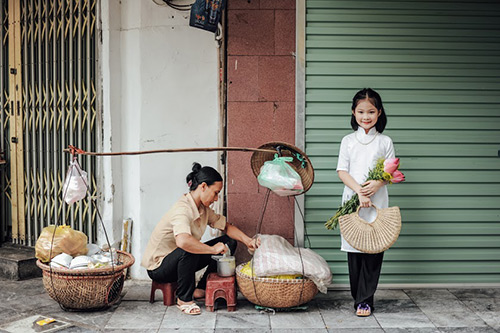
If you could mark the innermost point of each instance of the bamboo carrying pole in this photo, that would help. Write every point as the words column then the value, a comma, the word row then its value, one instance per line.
column 74, row 150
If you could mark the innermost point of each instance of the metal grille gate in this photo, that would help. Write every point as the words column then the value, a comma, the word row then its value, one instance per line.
column 56, row 105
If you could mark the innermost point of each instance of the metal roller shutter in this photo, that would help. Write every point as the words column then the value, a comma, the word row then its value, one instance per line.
column 436, row 65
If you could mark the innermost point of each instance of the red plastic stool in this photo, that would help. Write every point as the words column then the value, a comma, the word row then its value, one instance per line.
column 220, row 287
column 168, row 290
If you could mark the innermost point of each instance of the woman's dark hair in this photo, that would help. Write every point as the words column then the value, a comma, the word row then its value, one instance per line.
column 376, row 100
column 200, row 175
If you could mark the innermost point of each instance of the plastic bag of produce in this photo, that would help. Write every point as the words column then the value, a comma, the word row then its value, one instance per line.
column 66, row 240
column 278, row 176
column 276, row 256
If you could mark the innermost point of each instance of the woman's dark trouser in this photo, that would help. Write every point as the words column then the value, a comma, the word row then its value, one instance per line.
column 364, row 272
column 181, row 266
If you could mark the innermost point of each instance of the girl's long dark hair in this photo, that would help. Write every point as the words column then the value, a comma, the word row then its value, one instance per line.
column 376, row 100
column 200, row 175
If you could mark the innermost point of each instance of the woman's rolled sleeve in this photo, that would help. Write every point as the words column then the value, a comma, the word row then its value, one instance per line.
column 216, row 221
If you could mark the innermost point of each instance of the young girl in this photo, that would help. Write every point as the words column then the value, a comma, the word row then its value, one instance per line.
column 359, row 152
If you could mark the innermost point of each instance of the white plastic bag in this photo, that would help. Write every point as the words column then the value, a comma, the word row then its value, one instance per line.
column 276, row 256
column 278, row 176
column 75, row 184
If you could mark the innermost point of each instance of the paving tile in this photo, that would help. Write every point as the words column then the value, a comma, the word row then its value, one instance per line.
column 358, row 330
column 440, row 305
column 430, row 293
column 186, row 330
column 174, row 319
column 243, row 320
column 243, row 306
column 242, row 330
column 395, row 306
column 137, row 315
column 482, row 304
column 325, row 304
column 347, row 319
column 299, row 330
column 390, row 294
column 139, row 291
column 467, row 330
column 412, row 330
column 9, row 314
column 78, row 329
column 475, row 293
column 90, row 319
column 28, row 324
column 32, row 300
column 297, row 319
column 455, row 319
column 492, row 318
column 403, row 319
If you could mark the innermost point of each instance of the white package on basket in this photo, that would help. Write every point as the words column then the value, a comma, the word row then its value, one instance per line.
column 75, row 184
column 276, row 256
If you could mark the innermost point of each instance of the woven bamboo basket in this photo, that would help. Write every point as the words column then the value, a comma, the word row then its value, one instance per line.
column 287, row 150
column 88, row 289
column 275, row 293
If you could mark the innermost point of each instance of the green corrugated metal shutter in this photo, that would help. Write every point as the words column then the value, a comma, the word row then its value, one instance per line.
column 437, row 66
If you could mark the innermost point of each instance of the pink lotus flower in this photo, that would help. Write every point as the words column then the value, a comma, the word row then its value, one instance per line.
column 391, row 165
column 397, row 177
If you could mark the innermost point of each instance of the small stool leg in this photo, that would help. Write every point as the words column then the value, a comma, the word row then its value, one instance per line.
column 153, row 289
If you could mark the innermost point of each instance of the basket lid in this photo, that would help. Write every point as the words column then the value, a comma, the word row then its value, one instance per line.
column 301, row 163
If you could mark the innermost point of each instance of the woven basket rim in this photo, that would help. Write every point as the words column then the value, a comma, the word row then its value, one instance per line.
column 128, row 261
column 271, row 280
column 259, row 158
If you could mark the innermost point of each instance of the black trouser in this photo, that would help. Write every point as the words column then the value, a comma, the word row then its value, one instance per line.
column 181, row 266
column 364, row 272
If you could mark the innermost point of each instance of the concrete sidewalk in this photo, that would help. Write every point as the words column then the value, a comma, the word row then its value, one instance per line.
column 412, row 310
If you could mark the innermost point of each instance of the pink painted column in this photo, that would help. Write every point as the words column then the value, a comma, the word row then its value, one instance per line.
column 260, row 108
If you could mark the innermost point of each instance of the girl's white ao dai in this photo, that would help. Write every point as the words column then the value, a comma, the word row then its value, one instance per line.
column 358, row 154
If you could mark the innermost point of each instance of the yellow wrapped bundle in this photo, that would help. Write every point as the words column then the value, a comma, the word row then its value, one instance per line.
column 247, row 269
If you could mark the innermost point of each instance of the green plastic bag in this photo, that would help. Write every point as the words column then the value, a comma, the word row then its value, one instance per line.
column 278, row 176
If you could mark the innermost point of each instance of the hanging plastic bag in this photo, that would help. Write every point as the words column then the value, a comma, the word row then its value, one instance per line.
column 75, row 184
column 66, row 240
column 278, row 176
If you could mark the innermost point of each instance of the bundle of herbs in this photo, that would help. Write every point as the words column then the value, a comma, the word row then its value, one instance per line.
column 386, row 170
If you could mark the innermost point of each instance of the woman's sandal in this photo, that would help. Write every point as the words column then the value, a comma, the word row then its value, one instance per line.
column 188, row 309
column 363, row 310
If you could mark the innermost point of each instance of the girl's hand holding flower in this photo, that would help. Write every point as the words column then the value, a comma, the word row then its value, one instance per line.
column 371, row 187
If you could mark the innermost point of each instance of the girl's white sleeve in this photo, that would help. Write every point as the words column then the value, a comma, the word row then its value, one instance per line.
column 343, row 162
column 390, row 149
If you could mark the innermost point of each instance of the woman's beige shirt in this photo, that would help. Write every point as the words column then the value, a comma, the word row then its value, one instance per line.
column 183, row 217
